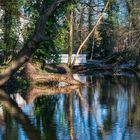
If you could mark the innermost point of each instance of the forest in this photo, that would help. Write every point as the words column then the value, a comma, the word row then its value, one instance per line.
column 36, row 31
column 69, row 69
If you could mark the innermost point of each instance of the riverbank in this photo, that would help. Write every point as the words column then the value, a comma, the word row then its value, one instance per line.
column 101, row 68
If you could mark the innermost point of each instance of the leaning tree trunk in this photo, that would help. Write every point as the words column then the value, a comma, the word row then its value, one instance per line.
column 31, row 45
column 91, row 32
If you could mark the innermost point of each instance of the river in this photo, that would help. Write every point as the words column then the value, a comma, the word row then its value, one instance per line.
column 109, row 110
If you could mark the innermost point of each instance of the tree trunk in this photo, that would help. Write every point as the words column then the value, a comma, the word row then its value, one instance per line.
column 80, row 33
column 31, row 45
column 90, row 22
column 71, row 37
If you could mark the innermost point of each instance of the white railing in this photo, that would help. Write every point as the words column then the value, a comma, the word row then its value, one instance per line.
column 81, row 59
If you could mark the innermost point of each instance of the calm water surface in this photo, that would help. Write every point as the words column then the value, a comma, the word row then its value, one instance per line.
column 109, row 111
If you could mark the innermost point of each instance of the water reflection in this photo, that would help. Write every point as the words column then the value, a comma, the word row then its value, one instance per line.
column 12, row 113
column 110, row 111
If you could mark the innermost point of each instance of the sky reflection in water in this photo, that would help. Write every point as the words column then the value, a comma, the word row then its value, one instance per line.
column 110, row 110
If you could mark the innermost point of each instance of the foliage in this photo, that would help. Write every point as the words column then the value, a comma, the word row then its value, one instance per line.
column 56, row 31
column 58, row 27
column 10, row 27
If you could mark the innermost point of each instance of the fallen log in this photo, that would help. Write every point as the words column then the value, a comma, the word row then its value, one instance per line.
column 61, row 68
column 35, row 76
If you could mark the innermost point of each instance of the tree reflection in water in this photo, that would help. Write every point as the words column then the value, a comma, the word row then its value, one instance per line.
column 108, row 111
column 13, row 112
